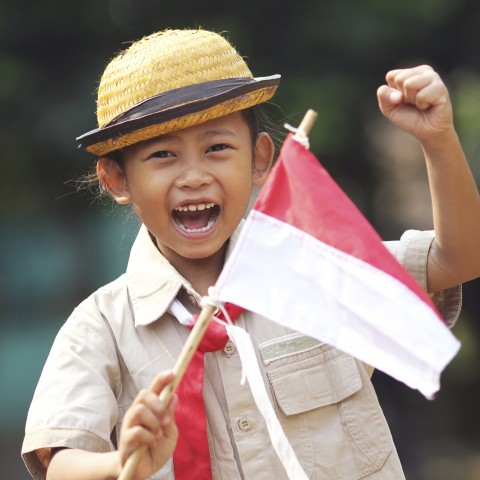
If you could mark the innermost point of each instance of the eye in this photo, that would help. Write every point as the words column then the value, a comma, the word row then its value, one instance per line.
column 162, row 154
column 217, row 147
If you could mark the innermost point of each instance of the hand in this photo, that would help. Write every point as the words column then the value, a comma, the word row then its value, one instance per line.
column 149, row 422
column 417, row 101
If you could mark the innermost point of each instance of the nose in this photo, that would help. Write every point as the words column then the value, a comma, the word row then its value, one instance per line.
column 194, row 174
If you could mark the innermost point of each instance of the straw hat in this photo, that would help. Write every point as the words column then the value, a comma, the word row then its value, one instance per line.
column 171, row 80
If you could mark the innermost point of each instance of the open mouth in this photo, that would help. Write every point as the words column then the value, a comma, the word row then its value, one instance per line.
column 196, row 217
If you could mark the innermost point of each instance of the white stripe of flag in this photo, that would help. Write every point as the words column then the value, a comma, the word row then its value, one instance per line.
column 308, row 259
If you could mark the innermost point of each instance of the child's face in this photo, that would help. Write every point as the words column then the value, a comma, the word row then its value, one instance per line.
column 191, row 187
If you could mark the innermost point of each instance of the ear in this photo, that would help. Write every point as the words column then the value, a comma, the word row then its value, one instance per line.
column 111, row 174
column 262, row 157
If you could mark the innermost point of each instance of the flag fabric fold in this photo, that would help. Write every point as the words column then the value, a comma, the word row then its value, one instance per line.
column 308, row 259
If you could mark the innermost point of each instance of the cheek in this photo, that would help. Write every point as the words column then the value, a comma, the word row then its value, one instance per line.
column 241, row 191
column 147, row 185
column 149, row 200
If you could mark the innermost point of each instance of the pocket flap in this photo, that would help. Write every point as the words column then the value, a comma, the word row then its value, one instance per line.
column 321, row 380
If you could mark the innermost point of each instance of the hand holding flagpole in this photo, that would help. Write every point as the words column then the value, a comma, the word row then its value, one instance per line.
column 181, row 365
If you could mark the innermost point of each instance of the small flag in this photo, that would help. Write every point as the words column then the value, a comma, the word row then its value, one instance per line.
column 309, row 260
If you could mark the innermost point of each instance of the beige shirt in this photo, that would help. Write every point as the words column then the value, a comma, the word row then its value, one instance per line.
column 120, row 337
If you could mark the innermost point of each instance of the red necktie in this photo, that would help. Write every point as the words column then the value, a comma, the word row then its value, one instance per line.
column 191, row 458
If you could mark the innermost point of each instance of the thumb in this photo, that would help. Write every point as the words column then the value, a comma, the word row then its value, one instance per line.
column 170, row 429
column 161, row 381
column 388, row 98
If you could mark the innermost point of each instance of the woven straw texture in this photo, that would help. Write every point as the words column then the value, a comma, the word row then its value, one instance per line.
column 162, row 62
column 230, row 106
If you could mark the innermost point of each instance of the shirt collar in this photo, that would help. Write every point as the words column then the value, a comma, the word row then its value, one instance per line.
column 152, row 281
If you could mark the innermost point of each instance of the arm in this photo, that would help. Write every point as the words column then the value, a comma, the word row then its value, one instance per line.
column 147, row 422
column 79, row 464
column 417, row 101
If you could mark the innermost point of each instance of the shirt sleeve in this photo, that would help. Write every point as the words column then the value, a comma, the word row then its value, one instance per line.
column 74, row 404
column 412, row 252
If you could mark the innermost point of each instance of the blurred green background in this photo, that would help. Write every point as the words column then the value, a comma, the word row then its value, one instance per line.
column 57, row 246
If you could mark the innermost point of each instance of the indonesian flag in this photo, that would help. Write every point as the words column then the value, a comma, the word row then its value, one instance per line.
column 309, row 260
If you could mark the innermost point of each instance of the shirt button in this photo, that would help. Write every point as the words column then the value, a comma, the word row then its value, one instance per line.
column 229, row 349
column 244, row 424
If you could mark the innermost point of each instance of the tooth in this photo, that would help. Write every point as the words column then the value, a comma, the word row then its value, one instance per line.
column 192, row 207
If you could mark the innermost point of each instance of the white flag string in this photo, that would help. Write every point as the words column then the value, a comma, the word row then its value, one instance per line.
column 280, row 443
column 250, row 372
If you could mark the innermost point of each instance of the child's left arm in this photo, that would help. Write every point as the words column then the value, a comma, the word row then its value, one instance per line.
column 417, row 101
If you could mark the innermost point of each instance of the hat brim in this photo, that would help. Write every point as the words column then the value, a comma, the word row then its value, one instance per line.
column 177, row 109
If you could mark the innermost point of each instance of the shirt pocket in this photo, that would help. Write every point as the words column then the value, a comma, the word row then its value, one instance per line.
column 332, row 420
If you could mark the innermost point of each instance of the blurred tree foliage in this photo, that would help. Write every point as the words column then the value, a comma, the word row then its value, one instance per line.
column 332, row 54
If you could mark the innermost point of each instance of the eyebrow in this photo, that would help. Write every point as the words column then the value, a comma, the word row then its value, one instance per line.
column 219, row 131
column 208, row 134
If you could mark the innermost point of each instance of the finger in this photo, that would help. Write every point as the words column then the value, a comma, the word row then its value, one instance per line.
column 420, row 86
column 168, row 414
column 161, row 381
column 389, row 95
column 424, row 90
column 170, row 429
column 412, row 85
column 149, row 417
column 147, row 411
column 410, row 81
column 133, row 438
column 388, row 98
column 156, row 407
column 396, row 78
column 137, row 435
column 431, row 95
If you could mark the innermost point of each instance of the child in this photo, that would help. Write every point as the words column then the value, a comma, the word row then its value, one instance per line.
column 181, row 139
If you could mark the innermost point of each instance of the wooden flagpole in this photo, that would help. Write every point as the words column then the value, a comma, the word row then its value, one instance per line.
column 308, row 120
column 191, row 345
column 188, row 350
